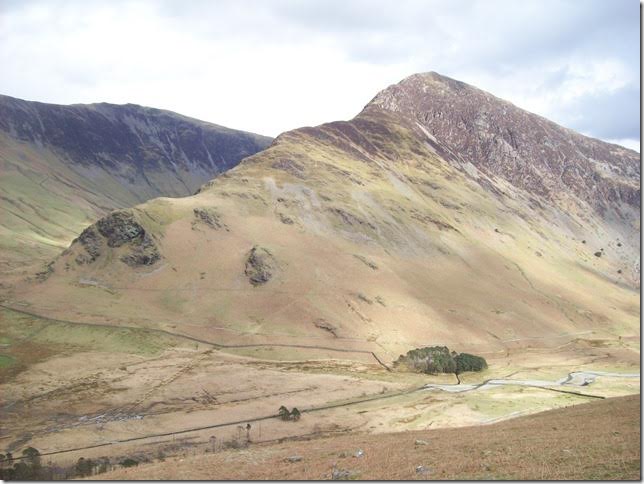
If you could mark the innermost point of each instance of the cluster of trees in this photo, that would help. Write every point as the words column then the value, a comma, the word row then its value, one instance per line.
column 29, row 467
column 284, row 413
column 439, row 359
column 467, row 362
column 88, row 467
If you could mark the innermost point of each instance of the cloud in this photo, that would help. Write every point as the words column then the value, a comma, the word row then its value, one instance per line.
column 273, row 65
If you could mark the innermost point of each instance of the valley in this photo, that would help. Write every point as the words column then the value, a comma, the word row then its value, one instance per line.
column 177, row 325
column 63, row 167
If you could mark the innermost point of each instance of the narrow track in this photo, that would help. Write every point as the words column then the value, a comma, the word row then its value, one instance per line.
column 220, row 425
column 198, row 340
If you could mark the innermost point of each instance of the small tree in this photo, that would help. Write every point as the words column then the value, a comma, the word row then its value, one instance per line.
column 32, row 456
column 29, row 468
column 84, row 467
column 283, row 413
column 22, row 472
column 467, row 362
column 295, row 414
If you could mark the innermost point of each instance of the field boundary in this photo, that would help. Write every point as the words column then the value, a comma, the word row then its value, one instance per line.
column 199, row 340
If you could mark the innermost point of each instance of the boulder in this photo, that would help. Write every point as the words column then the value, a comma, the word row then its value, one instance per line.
column 260, row 266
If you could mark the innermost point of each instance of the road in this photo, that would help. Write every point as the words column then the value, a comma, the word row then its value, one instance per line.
column 573, row 379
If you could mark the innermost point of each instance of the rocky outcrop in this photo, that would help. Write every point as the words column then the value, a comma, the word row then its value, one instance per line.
column 63, row 165
column 92, row 242
column 370, row 264
column 144, row 252
column 467, row 125
column 116, row 230
column 260, row 266
column 120, row 228
column 208, row 217
column 326, row 326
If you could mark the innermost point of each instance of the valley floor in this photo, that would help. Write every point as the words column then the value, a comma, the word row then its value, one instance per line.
column 75, row 390
column 598, row 440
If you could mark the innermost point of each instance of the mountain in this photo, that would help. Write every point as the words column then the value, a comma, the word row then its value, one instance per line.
column 63, row 167
column 438, row 215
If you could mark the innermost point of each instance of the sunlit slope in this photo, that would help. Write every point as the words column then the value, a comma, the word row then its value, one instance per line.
column 63, row 167
column 356, row 234
column 46, row 202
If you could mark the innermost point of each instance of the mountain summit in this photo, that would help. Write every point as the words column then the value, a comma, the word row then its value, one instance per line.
column 522, row 148
column 439, row 214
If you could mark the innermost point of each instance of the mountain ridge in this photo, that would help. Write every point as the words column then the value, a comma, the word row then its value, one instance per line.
column 499, row 120
column 389, row 234
column 65, row 166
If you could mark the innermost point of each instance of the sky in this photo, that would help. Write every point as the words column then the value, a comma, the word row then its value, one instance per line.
column 268, row 66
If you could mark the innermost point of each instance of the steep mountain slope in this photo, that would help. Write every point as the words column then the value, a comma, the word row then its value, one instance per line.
column 63, row 167
column 438, row 215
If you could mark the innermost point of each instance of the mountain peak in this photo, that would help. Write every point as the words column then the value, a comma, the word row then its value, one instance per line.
column 502, row 140
column 413, row 89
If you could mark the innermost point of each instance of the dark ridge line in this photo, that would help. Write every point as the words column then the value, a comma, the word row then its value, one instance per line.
column 569, row 392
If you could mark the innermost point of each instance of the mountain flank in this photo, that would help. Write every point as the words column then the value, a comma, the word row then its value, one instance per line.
column 63, row 167
column 439, row 215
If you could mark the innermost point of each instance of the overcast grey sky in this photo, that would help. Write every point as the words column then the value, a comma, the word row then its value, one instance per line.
column 272, row 65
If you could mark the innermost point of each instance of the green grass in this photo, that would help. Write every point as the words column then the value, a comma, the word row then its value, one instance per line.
column 26, row 336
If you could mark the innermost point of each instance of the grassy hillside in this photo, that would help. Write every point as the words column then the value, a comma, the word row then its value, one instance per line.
column 595, row 441
column 63, row 167
column 375, row 242
column 298, row 277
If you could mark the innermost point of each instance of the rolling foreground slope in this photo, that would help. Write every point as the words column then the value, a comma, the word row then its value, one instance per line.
column 599, row 440
column 64, row 167
column 439, row 214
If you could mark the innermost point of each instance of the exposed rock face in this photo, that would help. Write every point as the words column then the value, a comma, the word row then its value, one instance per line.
column 130, row 139
column 209, row 217
column 116, row 230
column 91, row 242
column 326, row 326
column 451, row 247
column 120, row 228
column 466, row 124
column 144, row 252
column 367, row 262
column 260, row 266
